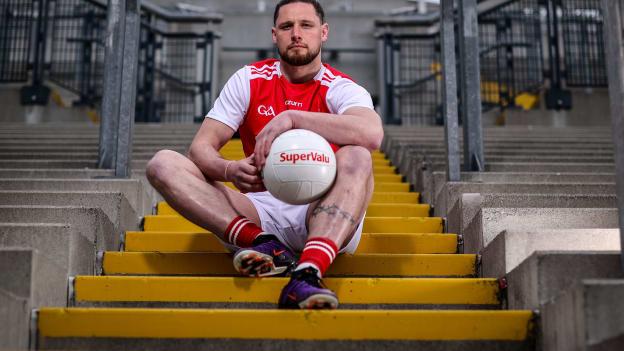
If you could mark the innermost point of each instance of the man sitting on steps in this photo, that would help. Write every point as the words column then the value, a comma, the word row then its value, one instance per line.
column 261, row 101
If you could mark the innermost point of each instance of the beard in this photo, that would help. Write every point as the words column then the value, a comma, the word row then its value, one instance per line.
column 294, row 59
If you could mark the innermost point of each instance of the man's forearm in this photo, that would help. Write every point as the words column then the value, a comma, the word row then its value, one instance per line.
column 209, row 161
column 344, row 129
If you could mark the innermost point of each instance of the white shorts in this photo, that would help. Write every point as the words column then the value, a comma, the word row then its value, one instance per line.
column 287, row 222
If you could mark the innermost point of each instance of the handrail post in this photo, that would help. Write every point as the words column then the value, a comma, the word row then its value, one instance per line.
column 612, row 10
column 449, row 91
column 470, row 85
column 120, row 75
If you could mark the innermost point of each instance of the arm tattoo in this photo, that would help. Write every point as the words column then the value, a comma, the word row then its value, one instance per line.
column 334, row 210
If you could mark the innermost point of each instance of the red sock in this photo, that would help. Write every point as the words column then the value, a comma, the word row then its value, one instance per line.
column 320, row 252
column 242, row 232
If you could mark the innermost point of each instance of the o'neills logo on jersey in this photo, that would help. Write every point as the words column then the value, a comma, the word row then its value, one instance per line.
column 303, row 156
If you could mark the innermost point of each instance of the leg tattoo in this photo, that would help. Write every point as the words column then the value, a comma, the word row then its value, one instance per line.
column 334, row 210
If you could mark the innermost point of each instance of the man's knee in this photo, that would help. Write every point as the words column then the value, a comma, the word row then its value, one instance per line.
column 158, row 169
column 354, row 161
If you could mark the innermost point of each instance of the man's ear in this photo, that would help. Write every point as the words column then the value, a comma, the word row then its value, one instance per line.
column 324, row 32
column 274, row 35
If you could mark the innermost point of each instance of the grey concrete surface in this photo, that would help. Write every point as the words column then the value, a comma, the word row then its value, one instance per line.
column 90, row 223
column 113, row 344
column 4, row 163
column 131, row 188
column 421, row 174
column 464, row 211
column 77, row 173
column 545, row 274
column 14, row 318
column 27, row 280
column 587, row 317
column 114, row 205
column 511, row 247
column 490, row 222
column 435, row 182
column 447, row 199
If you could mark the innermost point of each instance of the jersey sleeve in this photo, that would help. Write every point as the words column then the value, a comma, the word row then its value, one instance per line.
column 344, row 93
column 231, row 106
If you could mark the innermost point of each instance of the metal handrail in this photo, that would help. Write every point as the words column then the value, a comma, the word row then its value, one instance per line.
column 615, row 65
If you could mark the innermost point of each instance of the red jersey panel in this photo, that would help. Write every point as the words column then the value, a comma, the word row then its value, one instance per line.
column 259, row 92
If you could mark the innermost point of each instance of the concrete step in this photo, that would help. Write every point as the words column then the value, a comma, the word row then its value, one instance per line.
column 546, row 274
column 16, row 294
column 373, row 210
column 376, row 327
column 511, row 247
column 91, row 230
column 471, row 203
column 132, row 189
column 371, row 224
column 492, row 221
column 239, row 290
column 530, row 167
column 113, row 204
column 391, row 243
column 449, row 196
column 194, row 263
column 588, row 316
column 76, row 173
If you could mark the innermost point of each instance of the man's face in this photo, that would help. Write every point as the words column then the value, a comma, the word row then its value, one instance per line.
column 299, row 33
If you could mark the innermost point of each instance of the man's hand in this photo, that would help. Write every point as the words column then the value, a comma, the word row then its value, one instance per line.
column 278, row 125
column 244, row 175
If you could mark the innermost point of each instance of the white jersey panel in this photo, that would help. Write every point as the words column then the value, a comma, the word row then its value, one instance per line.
column 233, row 101
column 343, row 94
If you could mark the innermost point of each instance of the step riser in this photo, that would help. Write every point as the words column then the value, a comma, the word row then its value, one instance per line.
column 370, row 243
column 454, row 265
column 371, row 225
column 373, row 210
column 390, row 291
column 124, row 344
column 301, row 325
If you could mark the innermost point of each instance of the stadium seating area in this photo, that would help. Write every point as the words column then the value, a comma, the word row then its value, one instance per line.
column 427, row 273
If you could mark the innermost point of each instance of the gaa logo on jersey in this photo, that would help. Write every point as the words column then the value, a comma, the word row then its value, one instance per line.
column 303, row 156
column 266, row 111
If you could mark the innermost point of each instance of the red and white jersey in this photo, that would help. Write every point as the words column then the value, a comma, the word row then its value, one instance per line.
column 257, row 93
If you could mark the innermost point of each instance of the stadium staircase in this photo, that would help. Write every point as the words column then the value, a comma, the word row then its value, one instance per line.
column 172, row 285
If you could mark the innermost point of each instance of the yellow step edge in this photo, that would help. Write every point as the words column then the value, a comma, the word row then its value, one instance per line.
column 389, row 178
column 394, row 197
column 293, row 324
column 371, row 224
column 373, row 210
column 439, row 291
column 384, row 170
column 391, row 187
column 391, row 243
column 203, row 263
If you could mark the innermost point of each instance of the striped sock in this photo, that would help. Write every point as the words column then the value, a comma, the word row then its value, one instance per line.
column 242, row 232
column 319, row 253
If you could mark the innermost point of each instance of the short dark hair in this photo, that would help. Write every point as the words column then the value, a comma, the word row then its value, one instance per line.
column 319, row 9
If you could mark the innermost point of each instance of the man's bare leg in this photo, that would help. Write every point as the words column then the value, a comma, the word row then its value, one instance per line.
column 207, row 203
column 213, row 206
column 332, row 221
column 337, row 215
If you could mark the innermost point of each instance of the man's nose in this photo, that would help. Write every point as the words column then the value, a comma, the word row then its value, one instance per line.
column 296, row 32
